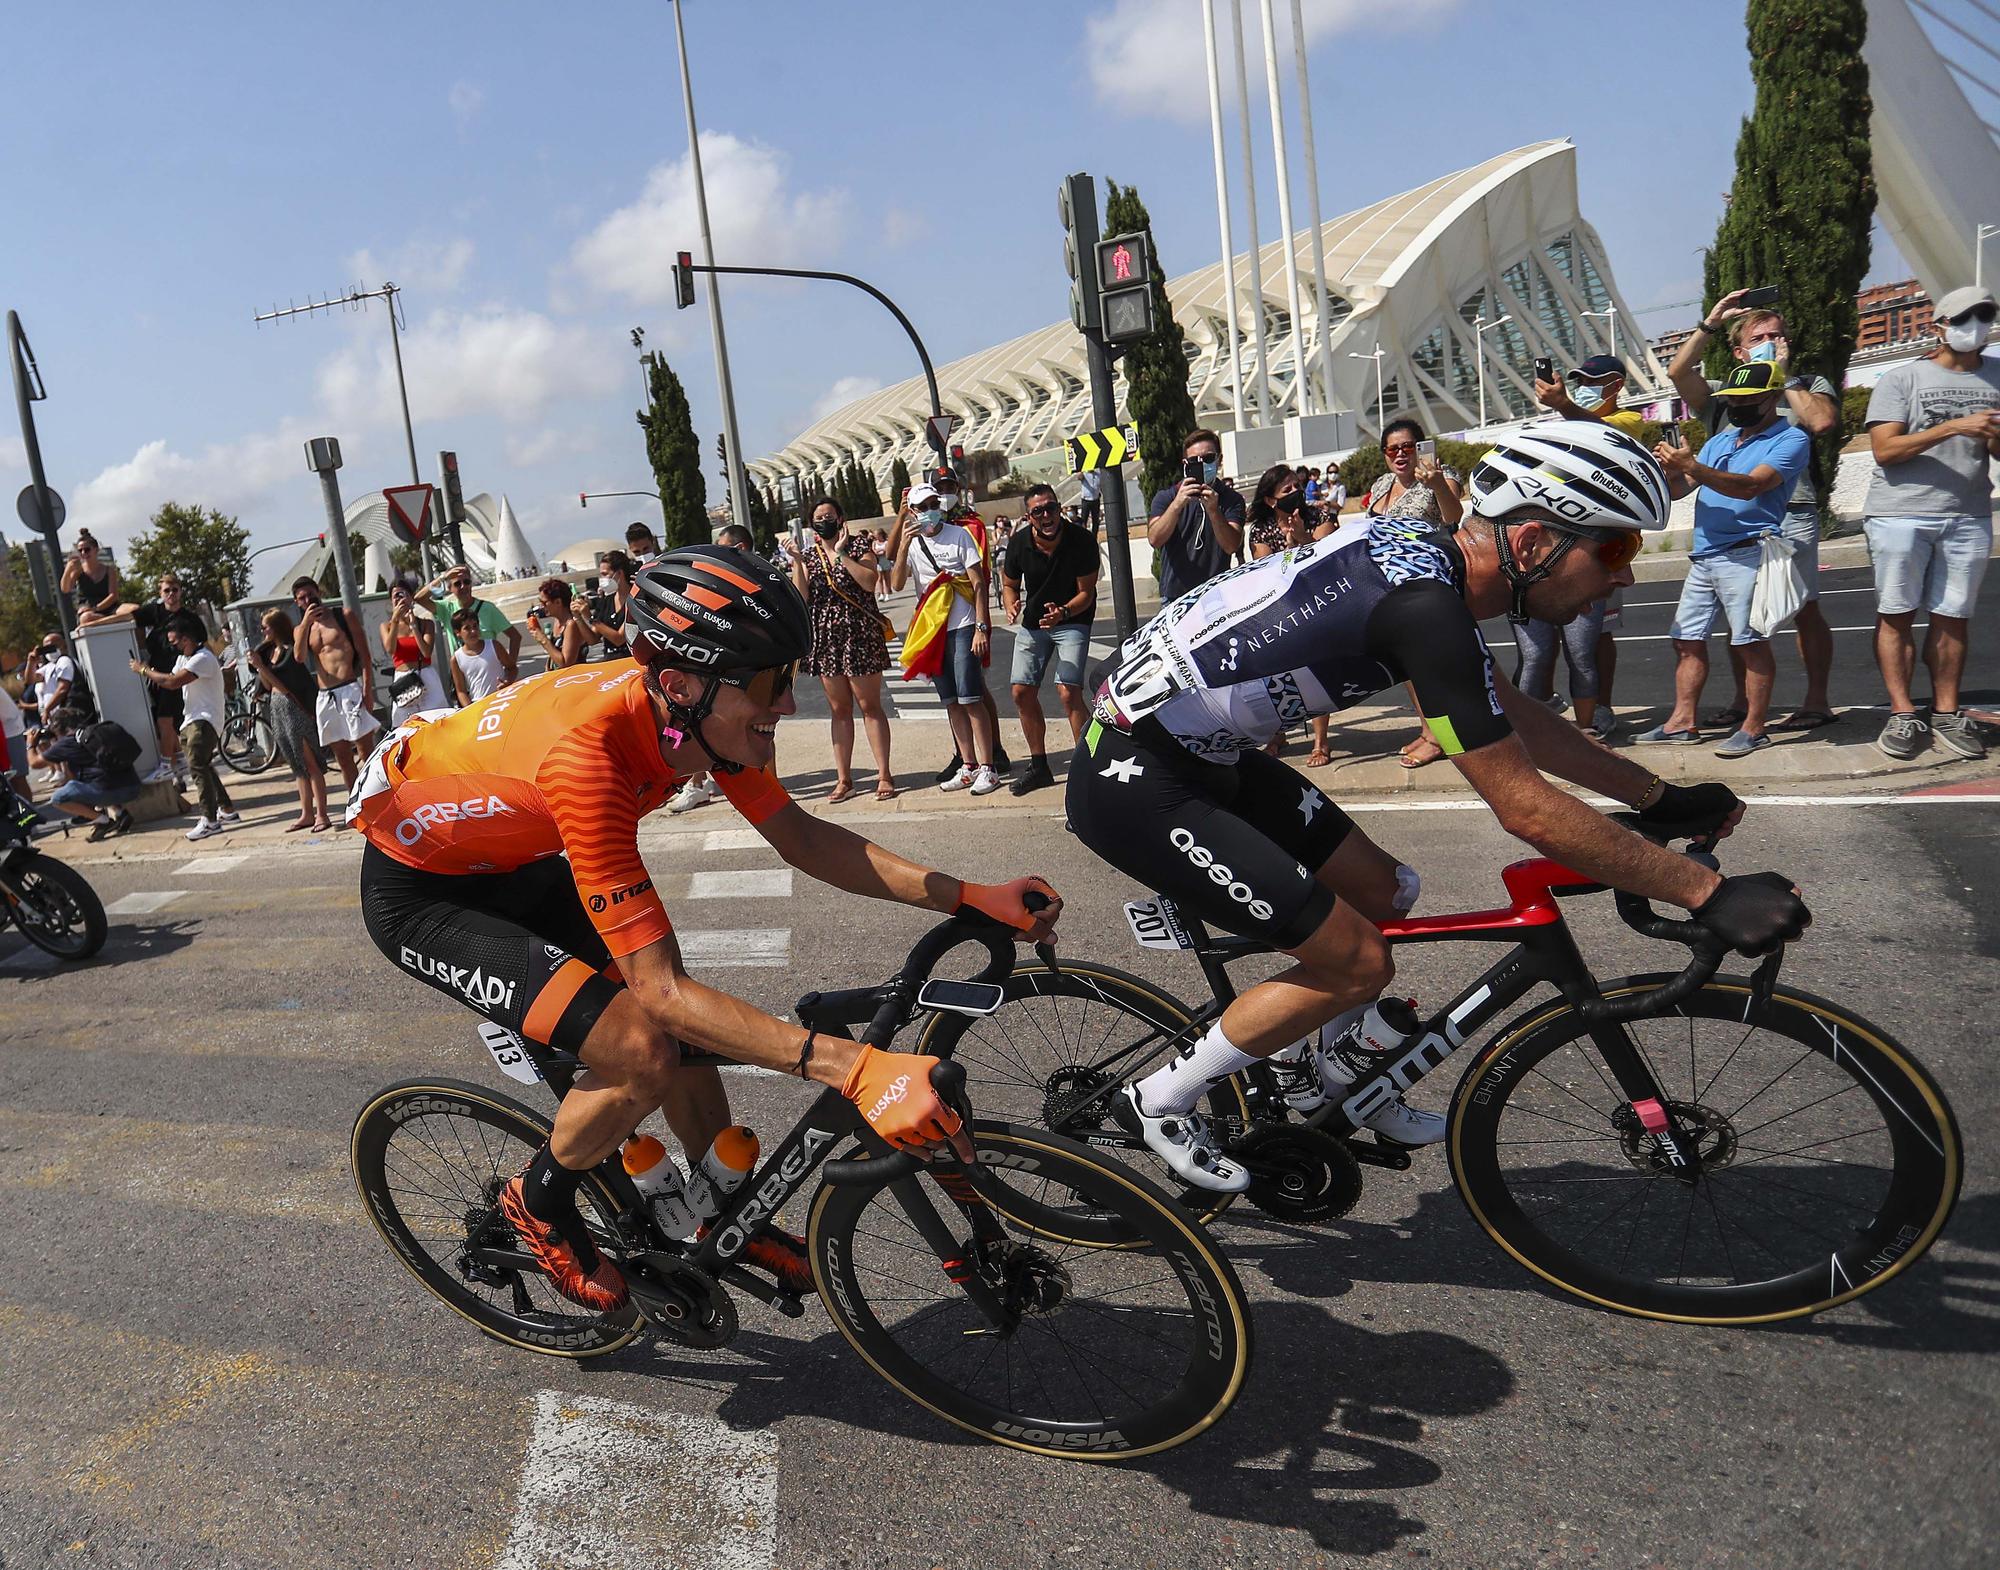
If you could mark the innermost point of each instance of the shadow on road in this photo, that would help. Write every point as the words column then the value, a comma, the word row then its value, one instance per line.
column 127, row 940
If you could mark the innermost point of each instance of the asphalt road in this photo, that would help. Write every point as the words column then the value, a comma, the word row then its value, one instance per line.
column 208, row 1358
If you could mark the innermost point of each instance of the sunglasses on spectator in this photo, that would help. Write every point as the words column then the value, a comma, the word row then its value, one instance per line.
column 1399, row 449
column 765, row 688
column 1046, row 510
column 1985, row 313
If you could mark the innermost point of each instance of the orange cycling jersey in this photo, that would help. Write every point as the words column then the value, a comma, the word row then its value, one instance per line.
column 566, row 761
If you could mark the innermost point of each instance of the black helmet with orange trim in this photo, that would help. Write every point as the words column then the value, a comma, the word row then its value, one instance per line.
column 706, row 609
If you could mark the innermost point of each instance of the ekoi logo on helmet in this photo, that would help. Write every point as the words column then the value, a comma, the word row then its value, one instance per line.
column 666, row 646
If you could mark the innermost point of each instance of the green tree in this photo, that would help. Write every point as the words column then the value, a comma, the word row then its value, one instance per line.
column 675, row 454
column 1804, row 195
column 203, row 547
column 23, row 623
column 899, row 482
column 1156, row 366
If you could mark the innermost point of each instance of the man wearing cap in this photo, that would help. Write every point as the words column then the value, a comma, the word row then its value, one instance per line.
column 1744, row 474
column 1813, row 404
column 1934, row 425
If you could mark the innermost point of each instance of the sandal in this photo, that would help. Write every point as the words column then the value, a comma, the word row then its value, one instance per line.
column 887, row 791
column 1729, row 719
column 840, row 792
column 322, row 827
column 1318, row 758
column 303, row 823
column 1409, row 757
column 1806, row 719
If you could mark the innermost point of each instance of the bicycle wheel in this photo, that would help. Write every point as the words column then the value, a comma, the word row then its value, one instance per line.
column 248, row 746
column 1061, row 1035
column 1826, row 1158
column 430, row 1158
column 1110, row 1354
column 56, row 909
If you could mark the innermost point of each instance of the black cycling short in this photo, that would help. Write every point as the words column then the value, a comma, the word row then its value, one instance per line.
column 516, row 946
column 1237, row 844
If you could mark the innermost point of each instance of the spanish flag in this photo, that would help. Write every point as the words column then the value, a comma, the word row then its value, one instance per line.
column 923, row 645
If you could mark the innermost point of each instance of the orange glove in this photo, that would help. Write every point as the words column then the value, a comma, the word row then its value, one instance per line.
column 1003, row 902
column 893, row 1091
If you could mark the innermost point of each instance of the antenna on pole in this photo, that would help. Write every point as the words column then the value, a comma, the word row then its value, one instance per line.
column 358, row 298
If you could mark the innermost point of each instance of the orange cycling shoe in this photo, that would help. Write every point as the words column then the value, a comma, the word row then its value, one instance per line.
column 893, row 1091
column 598, row 1287
column 784, row 1256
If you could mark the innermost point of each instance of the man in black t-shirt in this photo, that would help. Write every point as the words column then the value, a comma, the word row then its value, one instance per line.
column 1197, row 525
column 1048, row 583
column 151, row 621
column 95, row 759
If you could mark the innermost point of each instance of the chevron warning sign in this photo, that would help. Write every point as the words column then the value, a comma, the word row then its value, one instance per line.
column 1105, row 449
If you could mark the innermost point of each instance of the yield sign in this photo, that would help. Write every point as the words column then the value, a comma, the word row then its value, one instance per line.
column 939, row 428
column 409, row 511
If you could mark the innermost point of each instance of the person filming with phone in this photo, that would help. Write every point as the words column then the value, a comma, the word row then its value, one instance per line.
column 1197, row 525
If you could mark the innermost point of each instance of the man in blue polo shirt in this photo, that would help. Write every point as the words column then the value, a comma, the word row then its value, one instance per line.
column 1742, row 477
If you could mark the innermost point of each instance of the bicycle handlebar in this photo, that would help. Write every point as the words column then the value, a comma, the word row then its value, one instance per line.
column 1638, row 914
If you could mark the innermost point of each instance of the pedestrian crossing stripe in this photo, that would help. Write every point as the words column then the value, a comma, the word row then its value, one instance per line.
column 1106, row 449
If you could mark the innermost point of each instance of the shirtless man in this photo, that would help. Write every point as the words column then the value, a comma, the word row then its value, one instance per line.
column 330, row 642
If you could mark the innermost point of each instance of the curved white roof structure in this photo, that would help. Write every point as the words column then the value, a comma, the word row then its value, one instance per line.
column 1409, row 273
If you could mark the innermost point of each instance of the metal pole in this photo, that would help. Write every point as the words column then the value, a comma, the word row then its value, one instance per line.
column 1285, row 211
column 1222, row 212
column 402, row 391
column 739, row 485
column 1312, row 208
column 1479, row 359
column 24, row 366
column 1381, row 413
column 343, row 558
column 1250, row 211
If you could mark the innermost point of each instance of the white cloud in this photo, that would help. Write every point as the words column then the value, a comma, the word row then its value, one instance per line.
column 840, row 394
column 511, row 363
column 1149, row 57
column 13, row 453
column 466, row 101
column 525, row 449
column 752, row 212
column 434, row 266
column 239, row 477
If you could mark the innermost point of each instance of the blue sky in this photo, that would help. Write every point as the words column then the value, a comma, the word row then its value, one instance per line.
column 521, row 171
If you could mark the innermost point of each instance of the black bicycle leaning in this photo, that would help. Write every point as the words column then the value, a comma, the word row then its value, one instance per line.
column 249, row 744
column 50, row 901
column 1691, row 1147
column 955, row 1282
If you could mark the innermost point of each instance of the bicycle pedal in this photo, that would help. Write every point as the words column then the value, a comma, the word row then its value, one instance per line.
column 1381, row 1152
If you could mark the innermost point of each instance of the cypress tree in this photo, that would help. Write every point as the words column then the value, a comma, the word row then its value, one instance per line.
column 1804, row 195
column 1156, row 366
column 899, row 482
column 675, row 454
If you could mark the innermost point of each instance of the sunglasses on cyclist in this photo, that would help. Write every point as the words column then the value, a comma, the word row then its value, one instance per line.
column 765, row 688
column 1616, row 548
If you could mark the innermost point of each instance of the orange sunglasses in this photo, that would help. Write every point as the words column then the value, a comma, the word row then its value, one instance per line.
column 765, row 688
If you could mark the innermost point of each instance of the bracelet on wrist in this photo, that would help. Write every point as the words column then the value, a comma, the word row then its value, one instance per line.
column 805, row 1054
column 1653, row 794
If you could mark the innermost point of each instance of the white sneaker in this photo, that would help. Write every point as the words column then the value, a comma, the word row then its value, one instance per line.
column 985, row 782
column 962, row 780
column 202, row 829
column 694, row 793
column 228, row 820
column 1184, row 1141
column 162, row 771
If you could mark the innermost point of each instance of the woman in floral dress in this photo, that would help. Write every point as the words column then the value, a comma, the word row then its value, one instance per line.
column 837, row 573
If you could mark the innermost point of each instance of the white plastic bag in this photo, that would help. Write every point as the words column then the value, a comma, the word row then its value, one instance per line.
column 1779, row 592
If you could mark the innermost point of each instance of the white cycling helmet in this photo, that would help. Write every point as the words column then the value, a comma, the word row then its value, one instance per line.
column 1581, row 476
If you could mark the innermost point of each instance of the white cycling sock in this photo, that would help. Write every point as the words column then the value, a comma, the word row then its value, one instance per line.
column 1183, row 1082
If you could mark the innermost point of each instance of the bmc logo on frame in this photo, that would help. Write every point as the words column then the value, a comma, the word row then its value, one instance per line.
column 1220, row 875
column 432, row 813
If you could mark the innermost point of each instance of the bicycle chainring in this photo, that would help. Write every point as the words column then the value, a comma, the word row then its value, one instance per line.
column 679, row 1301
column 1297, row 1173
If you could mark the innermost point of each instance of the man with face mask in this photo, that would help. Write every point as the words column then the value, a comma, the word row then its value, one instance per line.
column 1196, row 525
column 1744, row 474
column 925, row 545
column 1934, row 425
column 958, row 509
column 1591, row 392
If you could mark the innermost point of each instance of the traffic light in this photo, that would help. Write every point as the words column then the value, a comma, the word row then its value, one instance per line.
column 683, row 280
column 1125, row 276
column 1076, row 205
column 583, row 500
column 454, row 491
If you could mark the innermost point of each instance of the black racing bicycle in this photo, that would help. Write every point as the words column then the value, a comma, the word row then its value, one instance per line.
column 961, row 1284
column 1692, row 1147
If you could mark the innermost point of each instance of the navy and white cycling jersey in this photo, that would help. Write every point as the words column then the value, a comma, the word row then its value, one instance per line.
column 1310, row 631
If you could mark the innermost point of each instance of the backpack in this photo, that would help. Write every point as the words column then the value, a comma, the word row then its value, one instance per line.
column 115, row 747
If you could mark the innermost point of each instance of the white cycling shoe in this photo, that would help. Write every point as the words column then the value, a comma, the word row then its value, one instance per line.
column 1184, row 1142
column 1317, row 1074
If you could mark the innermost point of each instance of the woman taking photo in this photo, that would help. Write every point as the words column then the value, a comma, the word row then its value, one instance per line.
column 409, row 639
column 1415, row 487
column 837, row 574
column 1281, row 519
column 564, row 639
column 293, row 696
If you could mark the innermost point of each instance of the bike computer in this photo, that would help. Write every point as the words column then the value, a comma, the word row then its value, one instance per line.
column 961, row 997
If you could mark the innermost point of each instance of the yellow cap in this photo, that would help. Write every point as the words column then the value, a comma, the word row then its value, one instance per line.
column 736, row 1148
column 642, row 1153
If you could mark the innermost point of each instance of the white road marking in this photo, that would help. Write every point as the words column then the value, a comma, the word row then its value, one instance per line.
column 210, row 864
column 775, row 883
column 733, row 839
column 1906, row 800
column 607, row 1485
column 748, row 948
column 28, row 958
column 144, row 904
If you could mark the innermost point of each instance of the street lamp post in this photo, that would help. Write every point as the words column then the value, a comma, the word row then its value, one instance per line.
column 1480, row 328
column 1610, row 315
column 1980, row 237
column 1381, row 416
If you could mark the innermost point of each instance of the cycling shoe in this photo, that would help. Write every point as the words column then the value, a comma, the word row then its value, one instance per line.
column 1183, row 1141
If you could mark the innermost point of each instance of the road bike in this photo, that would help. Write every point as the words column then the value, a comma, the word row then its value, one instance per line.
column 50, row 901
column 1690, row 1147
column 249, row 744
column 954, row 1282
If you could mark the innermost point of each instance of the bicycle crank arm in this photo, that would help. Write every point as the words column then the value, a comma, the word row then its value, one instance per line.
column 764, row 1291
column 1379, row 1152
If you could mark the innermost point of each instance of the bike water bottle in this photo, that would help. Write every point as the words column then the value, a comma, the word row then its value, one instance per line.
column 658, row 1181
column 1383, row 1026
column 721, row 1172
column 1343, row 1047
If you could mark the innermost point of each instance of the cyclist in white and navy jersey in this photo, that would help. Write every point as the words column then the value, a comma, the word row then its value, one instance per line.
column 1170, row 784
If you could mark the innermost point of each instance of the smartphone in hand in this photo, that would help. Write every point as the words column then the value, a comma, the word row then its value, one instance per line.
column 1545, row 369
column 1427, row 449
column 1191, row 469
column 1754, row 298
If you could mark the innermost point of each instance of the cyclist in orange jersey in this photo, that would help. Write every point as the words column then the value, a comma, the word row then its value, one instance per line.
column 464, row 885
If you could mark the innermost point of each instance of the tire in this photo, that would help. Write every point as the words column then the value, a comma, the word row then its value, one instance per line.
column 1059, row 1022
column 1177, row 1334
column 1860, row 1158
column 453, row 1145
column 248, row 745
column 56, row 909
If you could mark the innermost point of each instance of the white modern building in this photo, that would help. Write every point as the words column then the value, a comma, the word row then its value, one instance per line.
column 1409, row 274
